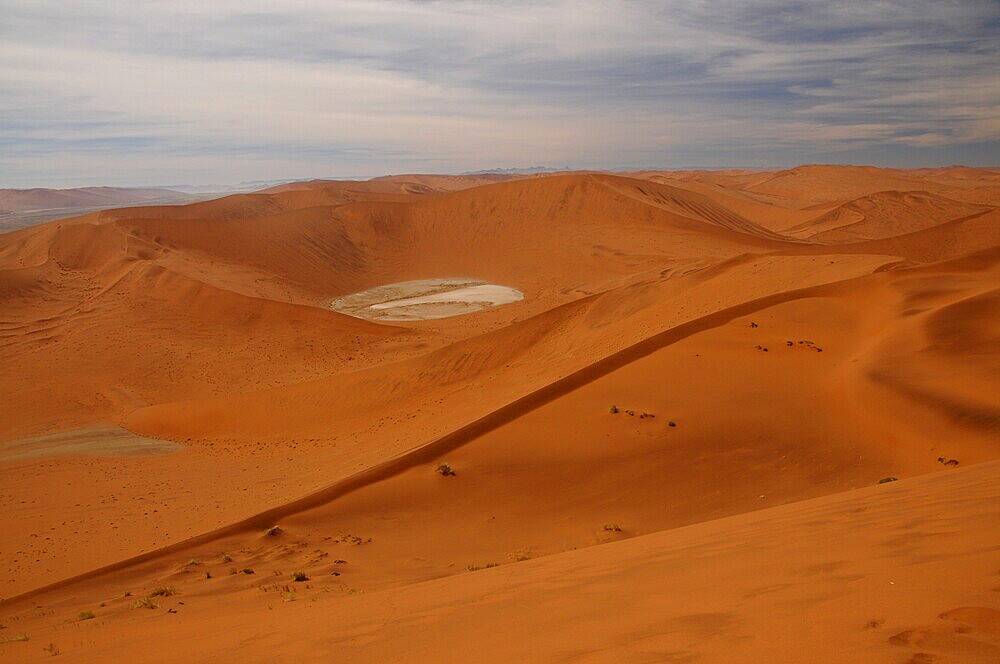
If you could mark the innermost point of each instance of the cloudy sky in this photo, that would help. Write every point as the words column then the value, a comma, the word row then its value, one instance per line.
column 122, row 92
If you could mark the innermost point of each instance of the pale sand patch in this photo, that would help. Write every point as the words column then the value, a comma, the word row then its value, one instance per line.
column 425, row 299
column 96, row 441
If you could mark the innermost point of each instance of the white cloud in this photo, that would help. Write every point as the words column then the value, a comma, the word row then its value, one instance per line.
column 230, row 90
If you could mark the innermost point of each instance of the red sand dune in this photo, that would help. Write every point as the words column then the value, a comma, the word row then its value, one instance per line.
column 770, row 339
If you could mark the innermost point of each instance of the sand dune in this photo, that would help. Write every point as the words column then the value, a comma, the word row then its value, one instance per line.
column 772, row 344
column 882, row 215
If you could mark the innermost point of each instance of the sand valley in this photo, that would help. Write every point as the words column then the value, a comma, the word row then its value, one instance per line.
column 657, row 416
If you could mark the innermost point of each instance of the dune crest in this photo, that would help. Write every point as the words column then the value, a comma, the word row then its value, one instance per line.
column 713, row 403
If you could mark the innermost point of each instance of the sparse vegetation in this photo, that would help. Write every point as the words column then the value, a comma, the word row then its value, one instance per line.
column 299, row 577
column 475, row 568
column 247, row 570
column 273, row 531
column 671, row 423
column 445, row 470
column 52, row 649
column 886, row 480
column 162, row 591
column 15, row 639
column 208, row 575
column 145, row 603
column 613, row 410
column 86, row 615
column 612, row 527
column 226, row 558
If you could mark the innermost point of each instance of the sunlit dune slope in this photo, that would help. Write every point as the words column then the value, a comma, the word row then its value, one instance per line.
column 882, row 215
column 692, row 349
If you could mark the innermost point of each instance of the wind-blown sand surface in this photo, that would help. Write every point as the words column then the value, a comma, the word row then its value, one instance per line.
column 773, row 343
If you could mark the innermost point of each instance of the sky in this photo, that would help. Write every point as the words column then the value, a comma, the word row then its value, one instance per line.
column 125, row 93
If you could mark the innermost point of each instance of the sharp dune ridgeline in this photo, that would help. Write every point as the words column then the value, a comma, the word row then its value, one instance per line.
column 671, row 416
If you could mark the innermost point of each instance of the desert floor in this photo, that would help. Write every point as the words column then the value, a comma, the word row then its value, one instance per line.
column 316, row 423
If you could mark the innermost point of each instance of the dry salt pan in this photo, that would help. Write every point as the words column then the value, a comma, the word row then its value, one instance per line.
column 425, row 299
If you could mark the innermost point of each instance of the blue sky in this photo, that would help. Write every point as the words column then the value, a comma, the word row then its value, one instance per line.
column 129, row 93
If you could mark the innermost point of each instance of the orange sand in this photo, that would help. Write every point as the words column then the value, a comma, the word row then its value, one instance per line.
column 617, row 537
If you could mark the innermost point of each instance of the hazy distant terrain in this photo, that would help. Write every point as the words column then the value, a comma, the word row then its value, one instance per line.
column 26, row 207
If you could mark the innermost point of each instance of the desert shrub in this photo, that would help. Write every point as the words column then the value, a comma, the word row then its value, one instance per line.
column 273, row 531
column 162, row 591
column 886, row 480
column 86, row 615
column 612, row 527
column 299, row 576
column 445, row 470
column 613, row 410
column 15, row 639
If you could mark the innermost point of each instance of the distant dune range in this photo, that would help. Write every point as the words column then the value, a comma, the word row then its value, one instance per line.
column 767, row 338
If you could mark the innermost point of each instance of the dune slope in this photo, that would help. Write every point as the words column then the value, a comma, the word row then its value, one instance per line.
column 692, row 350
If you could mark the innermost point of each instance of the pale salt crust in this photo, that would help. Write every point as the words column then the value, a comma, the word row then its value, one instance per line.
column 425, row 299
column 95, row 441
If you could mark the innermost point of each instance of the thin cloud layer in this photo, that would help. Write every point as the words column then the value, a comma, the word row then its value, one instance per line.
column 191, row 92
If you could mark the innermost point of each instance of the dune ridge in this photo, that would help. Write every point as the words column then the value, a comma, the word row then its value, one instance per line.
column 845, row 317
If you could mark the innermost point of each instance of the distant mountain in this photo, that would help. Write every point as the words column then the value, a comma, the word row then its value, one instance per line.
column 531, row 170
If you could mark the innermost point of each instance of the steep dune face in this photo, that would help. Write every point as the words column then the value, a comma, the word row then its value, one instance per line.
column 754, row 359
